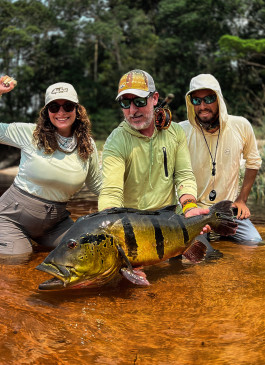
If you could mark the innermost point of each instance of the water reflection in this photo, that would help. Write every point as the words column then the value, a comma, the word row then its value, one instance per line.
column 209, row 313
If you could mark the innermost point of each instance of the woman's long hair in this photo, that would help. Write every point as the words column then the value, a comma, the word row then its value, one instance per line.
column 44, row 133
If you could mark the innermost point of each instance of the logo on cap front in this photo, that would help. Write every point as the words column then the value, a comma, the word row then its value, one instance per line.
column 59, row 90
column 134, row 80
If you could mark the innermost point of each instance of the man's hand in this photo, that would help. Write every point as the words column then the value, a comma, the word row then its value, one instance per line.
column 240, row 202
column 242, row 210
column 196, row 211
column 199, row 211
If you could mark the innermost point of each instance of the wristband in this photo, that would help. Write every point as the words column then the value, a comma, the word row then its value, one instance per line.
column 187, row 201
column 189, row 206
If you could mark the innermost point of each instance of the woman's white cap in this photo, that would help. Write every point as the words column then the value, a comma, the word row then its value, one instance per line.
column 61, row 90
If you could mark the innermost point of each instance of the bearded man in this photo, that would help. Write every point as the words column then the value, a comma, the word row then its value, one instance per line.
column 218, row 144
column 144, row 167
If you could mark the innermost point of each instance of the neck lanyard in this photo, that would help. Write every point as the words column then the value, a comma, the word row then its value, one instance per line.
column 213, row 160
column 212, row 194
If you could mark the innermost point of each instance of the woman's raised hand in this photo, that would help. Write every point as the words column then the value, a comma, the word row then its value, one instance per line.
column 7, row 83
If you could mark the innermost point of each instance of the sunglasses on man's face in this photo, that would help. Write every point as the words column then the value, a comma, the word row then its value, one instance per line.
column 209, row 99
column 138, row 102
column 55, row 107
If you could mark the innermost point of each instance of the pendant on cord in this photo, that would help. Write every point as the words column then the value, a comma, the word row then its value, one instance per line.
column 212, row 195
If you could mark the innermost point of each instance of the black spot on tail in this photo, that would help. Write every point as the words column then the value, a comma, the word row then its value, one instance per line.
column 130, row 239
column 158, row 237
column 184, row 229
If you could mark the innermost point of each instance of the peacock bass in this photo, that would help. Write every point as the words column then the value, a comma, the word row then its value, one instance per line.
column 100, row 245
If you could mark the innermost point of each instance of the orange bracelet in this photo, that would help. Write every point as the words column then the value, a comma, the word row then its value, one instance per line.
column 187, row 201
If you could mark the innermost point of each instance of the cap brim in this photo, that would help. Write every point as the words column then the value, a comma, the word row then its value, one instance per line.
column 68, row 98
column 141, row 93
column 199, row 88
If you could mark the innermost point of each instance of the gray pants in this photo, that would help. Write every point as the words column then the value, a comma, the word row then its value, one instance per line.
column 24, row 217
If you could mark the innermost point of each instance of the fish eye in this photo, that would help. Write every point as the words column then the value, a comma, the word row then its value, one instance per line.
column 71, row 244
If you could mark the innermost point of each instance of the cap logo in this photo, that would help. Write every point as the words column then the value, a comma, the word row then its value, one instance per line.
column 134, row 80
column 59, row 90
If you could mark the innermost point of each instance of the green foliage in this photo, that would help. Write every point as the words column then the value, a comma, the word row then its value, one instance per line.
column 91, row 43
column 241, row 47
column 104, row 121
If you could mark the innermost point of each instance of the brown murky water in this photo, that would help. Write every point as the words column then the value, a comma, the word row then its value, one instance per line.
column 209, row 313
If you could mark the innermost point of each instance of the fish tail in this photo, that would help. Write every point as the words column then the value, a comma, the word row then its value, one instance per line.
column 222, row 218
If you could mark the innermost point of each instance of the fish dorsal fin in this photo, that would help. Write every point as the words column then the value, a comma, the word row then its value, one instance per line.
column 110, row 211
column 168, row 208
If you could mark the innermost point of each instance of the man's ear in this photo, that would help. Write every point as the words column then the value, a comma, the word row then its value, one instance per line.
column 155, row 98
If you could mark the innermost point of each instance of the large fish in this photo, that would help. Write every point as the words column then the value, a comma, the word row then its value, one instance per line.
column 100, row 245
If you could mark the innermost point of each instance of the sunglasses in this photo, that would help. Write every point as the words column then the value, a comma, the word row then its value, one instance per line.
column 55, row 107
column 209, row 99
column 138, row 102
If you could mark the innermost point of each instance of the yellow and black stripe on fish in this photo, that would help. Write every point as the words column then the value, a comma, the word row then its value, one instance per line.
column 100, row 245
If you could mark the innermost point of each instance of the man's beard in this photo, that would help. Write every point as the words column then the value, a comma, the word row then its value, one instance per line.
column 209, row 124
column 141, row 125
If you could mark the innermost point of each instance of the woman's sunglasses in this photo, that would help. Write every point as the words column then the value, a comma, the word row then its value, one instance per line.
column 209, row 99
column 138, row 102
column 55, row 107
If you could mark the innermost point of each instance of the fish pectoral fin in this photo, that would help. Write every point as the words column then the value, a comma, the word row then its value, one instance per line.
column 136, row 276
column 123, row 255
column 196, row 252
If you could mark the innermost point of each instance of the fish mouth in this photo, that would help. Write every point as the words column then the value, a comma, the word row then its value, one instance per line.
column 63, row 276
column 66, row 277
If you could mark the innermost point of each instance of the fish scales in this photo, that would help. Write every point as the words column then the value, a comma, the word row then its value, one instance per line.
column 147, row 239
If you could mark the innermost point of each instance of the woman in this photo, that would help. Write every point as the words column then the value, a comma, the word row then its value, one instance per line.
column 57, row 156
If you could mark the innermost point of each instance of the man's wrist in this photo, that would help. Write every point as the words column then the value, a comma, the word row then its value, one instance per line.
column 189, row 204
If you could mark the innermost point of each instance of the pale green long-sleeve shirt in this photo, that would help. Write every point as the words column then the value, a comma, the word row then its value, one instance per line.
column 53, row 177
column 145, row 173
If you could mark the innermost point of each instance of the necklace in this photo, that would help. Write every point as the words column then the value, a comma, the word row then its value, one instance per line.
column 212, row 194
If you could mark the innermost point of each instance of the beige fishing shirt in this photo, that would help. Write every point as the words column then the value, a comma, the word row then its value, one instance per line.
column 237, row 144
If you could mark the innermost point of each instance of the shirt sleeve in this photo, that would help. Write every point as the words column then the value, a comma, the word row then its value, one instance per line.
column 250, row 150
column 93, row 179
column 184, row 178
column 16, row 134
column 113, row 169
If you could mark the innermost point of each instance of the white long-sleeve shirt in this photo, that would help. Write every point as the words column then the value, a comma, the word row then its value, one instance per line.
column 56, row 176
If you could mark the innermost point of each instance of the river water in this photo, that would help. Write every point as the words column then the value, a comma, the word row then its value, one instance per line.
column 209, row 313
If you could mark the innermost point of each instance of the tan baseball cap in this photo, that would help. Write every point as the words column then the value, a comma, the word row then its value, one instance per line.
column 61, row 90
column 136, row 82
